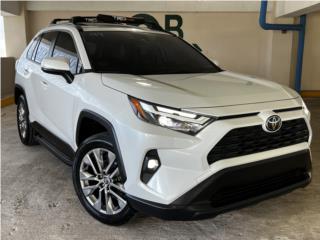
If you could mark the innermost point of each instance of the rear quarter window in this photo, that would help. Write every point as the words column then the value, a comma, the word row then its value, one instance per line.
column 31, row 50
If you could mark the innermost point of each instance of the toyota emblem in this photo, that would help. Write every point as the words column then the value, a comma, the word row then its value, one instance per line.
column 273, row 123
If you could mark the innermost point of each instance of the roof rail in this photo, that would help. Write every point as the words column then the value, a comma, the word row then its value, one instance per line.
column 56, row 20
column 101, row 18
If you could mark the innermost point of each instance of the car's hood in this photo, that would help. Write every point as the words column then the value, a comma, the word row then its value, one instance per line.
column 198, row 90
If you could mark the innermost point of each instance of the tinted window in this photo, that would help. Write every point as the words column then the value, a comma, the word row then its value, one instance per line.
column 44, row 46
column 65, row 47
column 143, row 53
column 32, row 48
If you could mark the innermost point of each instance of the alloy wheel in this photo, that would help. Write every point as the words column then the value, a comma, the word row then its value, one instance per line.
column 100, row 181
column 22, row 120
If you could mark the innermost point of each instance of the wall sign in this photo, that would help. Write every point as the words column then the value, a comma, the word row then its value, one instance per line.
column 172, row 22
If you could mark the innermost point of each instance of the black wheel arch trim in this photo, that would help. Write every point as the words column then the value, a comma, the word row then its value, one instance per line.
column 16, row 97
column 21, row 89
column 110, row 129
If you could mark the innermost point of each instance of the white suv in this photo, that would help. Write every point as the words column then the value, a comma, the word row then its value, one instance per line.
column 151, row 125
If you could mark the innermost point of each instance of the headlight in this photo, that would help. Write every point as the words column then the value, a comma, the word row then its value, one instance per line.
column 171, row 118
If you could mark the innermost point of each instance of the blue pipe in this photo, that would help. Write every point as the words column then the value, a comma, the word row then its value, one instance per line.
column 287, row 27
column 298, row 74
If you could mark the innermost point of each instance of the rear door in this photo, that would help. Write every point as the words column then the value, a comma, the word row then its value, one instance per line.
column 39, row 49
column 24, row 74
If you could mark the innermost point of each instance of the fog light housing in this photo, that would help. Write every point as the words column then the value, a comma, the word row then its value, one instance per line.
column 150, row 166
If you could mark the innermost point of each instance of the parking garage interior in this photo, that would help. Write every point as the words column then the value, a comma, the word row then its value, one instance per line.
column 37, row 195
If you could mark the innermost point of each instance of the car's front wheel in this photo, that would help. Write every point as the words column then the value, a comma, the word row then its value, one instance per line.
column 97, row 181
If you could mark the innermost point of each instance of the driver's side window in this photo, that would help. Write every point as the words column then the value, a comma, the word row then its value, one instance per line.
column 65, row 47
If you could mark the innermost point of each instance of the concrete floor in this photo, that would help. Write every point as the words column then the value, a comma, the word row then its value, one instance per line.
column 38, row 202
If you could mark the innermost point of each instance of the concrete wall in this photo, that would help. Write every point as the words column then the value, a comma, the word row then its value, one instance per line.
column 15, row 34
column 311, row 57
column 296, row 8
column 7, row 76
column 10, row 7
column 15, row 43
column 148, row 6
column 226, row 31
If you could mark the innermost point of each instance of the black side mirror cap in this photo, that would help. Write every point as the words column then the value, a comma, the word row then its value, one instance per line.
column 68, row 76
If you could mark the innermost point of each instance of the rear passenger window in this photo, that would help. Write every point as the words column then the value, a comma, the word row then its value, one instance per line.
column 65, row 47
column 32, row 48
column 43, row 49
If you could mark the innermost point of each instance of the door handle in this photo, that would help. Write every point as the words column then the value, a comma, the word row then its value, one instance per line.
column 26, row 70
column 44, row 83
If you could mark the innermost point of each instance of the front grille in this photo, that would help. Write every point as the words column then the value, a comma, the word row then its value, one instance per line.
column 253, row 139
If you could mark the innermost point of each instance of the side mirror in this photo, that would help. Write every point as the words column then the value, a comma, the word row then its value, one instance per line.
column 58, row 66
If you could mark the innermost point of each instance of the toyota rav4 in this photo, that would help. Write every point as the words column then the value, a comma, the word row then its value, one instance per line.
column 152, row 125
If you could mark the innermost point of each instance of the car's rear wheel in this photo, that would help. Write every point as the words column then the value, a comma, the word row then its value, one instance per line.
column 97, row 181
column 26, row 132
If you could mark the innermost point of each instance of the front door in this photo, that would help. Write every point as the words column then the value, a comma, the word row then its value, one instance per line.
column 57, row 95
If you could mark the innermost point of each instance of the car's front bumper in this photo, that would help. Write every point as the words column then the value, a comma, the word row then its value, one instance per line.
column 184, row 158
column 234, row 187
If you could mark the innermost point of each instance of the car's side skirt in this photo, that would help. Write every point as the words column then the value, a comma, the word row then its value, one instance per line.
column 55, row 145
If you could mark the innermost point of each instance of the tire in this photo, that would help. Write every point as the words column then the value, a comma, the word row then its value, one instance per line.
column 100, row 189
column 26, row 132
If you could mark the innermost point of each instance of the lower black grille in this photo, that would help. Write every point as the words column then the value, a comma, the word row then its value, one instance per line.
column 253, row 139
column 231, row 195
column 244, row 182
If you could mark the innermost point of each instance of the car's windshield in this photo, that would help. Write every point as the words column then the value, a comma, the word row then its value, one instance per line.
column 143, row 53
